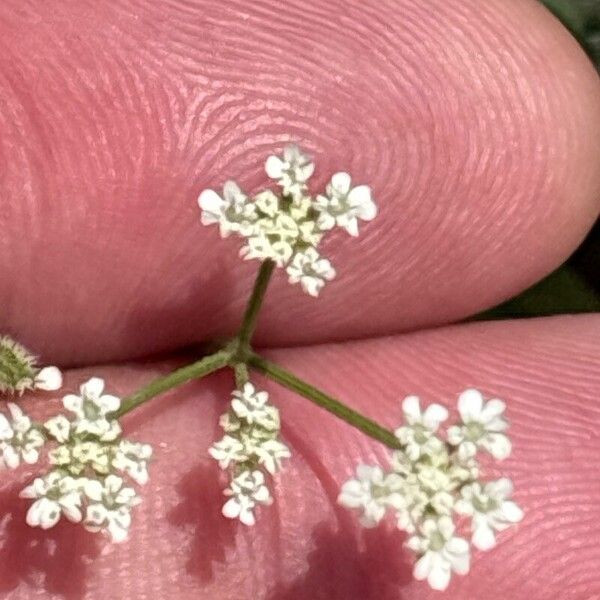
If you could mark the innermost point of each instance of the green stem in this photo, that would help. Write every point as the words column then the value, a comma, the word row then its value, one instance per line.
column 196, row 370
column 253, row 306
column 241, row 374
column 290, row 381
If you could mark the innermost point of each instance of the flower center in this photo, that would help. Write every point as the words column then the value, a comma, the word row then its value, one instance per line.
column 91, row 410
column 437, row 541
column 474, row 431
column 422, row 434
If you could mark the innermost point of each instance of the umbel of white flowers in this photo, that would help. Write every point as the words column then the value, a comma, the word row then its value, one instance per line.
column 250, row 450
column 433, row 479
column 19, row 371
column 89, row 454
column 287, row 228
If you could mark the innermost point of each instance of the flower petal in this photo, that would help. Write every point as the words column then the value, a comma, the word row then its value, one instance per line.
column 6, row 432
column 274, row 167
column 73, row 403
column 511, row 511
column 411, row 409
column 423, row 566
column 497, row 444
column 439, row 576
column 341, row 182
column 231, row 508
column 109, row 403
column 470, row 403
column 93, row 387
column 483, row 536
column 48, row 379
column 351, row 226
column 212, row 206
column 434, row 415
column 492, row 409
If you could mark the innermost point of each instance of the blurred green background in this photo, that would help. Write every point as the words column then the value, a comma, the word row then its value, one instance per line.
column 575, row 286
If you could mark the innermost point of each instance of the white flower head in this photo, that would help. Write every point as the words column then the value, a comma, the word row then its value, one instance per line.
column 247, row 490
column 418, row 435
column 372, row 493
column 92, row 409
column 109, row 508
column 483, row 426
column 48, row 379
column 20, row 440
column 291, row 172
column 310, row 270
column 490, row 509
column 234, row 213
column 440, row 552
column 132, row 458
column 274, row 238
column 344, row 205
column 252, row 406
column 54, row 494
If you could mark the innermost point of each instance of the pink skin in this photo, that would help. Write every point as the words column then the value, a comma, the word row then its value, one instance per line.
column 478, row 127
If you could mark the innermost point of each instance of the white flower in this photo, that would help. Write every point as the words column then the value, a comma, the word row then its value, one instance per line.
column 59, row 428
column 19, row 439
column 110, row 507
column 227, row 450
column 344, row 205
column 292, row 172
column 270, row 453
column 440, row 553
column 490, row 509
column 133, row 457
column 310, row 270
column 230, row 422
column 260, row 247
column 252, row 406
column 419, row 435
column 247, row 490
column 55, row 494
column 48, row 379
column 372, row 492
column 483, row 426
column 234, row 212
column 91, row 409
column 267, row 203
column 92, row 453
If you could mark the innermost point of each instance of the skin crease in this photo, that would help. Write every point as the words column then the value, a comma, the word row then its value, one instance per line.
column 476, row 124
column 477, row 127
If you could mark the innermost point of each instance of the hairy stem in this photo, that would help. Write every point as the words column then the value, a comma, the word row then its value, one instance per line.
column 196, row 370
column 253, row 306
column 340, row 410
column 240, row 370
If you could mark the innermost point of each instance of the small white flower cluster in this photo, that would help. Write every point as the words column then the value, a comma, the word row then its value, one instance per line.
column 249, row 448
column 82, row 484
column 432, row 480
column 19, row 371
column 288, row 228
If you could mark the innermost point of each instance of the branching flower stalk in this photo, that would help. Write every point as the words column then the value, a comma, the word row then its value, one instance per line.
column 431, row 477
